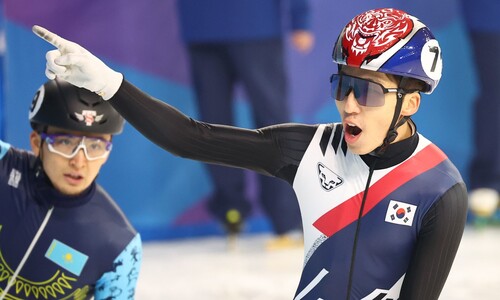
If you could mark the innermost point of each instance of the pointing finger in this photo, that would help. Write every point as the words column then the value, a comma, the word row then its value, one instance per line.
column 50, row 37
column 63, row 45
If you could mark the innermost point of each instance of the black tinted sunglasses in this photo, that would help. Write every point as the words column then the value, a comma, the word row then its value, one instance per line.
column 366, row 92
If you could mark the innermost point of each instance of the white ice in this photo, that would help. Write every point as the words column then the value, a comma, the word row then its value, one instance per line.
column 213, row 269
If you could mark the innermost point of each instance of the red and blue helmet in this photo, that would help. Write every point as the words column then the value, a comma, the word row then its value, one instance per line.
column 391, row 41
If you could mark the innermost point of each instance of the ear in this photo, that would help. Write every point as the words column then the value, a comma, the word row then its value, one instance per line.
column 411, row 103
column 35, row 141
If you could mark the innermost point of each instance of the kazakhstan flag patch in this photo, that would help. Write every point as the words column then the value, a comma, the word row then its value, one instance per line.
column 66, row 257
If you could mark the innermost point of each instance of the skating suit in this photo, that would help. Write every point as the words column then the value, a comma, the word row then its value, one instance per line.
column 60, row 247
column 398, row 206
column 395, row 239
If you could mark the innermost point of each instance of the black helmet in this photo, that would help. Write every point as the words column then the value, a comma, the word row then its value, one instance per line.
column 60, row 104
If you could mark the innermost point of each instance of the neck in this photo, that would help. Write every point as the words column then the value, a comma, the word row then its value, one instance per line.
column 405, row 131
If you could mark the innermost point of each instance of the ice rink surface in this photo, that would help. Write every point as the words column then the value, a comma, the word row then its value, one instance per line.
column 211, row 269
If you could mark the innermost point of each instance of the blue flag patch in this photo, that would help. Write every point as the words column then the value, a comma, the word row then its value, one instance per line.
column 66, row 257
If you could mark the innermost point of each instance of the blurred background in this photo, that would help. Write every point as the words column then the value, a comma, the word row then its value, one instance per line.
column 164, row 196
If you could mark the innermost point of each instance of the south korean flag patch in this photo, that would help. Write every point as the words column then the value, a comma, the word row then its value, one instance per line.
column 400, row 213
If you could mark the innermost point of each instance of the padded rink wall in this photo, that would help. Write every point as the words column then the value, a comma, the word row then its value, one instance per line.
column 164, row 196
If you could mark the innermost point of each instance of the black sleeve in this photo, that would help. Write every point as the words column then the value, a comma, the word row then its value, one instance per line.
column 437, row 245
column 274, row 150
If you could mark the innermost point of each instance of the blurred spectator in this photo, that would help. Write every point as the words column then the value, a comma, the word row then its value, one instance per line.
column 242, row 41
column 484, row 29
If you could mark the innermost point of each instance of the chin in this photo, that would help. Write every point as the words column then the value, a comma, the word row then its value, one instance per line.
column 71, row 191
column 358, row 150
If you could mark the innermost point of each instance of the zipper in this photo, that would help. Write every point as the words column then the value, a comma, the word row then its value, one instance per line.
column 358, row 228
column 27, row 253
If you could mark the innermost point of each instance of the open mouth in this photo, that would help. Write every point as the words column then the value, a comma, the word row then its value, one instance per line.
column 74, row 177
column 352, row 129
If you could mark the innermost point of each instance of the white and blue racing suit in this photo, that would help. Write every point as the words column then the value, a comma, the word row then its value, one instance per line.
column 375, row 227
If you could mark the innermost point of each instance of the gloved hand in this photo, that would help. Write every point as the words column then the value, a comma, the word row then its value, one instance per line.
column 76, row 65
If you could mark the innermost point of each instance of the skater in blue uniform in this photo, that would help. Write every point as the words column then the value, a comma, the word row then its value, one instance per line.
column 61, row 235
column 383, row 208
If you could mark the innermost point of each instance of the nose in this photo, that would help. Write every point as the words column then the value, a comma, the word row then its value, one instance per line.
column 351, row 105
column 79, row 159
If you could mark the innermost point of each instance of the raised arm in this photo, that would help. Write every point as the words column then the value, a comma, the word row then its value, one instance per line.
column 268, row 150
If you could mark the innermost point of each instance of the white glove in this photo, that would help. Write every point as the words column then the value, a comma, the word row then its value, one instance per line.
column 76, row 65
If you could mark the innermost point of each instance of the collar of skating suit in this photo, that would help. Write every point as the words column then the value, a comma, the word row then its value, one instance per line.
column 395, row 153
column 46, row 193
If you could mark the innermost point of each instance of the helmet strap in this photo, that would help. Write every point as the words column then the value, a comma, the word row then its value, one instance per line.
column 397, row 121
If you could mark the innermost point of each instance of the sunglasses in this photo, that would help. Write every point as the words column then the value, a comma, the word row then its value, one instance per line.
column 367, row 92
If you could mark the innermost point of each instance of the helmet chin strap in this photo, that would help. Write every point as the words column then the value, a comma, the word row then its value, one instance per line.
column 397, row 121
